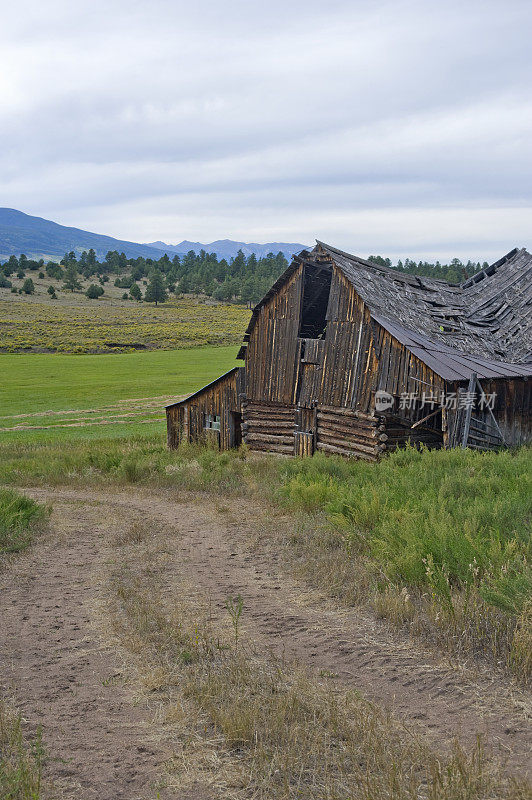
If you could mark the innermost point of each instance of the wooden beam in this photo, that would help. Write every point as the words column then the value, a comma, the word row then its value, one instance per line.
column 421, row 421
column 469, row 409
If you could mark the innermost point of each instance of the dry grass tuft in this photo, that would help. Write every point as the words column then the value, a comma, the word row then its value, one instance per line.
column 522, row 645
column 134, row 534
column 21, row 761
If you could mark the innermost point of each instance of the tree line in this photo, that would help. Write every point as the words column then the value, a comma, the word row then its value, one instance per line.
column 453, row 272
column 240, row 280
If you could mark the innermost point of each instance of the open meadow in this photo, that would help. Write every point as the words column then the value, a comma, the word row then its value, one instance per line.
column 44, row 397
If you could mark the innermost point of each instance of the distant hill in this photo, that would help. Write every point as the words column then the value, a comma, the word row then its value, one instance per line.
column 40, row 238
column 227, row 248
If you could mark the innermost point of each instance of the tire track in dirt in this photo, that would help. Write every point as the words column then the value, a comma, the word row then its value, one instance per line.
column 349, row 644
column 99, row 741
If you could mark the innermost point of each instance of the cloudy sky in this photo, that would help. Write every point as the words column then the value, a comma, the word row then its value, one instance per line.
column 399, row 127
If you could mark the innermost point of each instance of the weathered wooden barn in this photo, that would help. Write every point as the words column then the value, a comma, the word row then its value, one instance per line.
column 348, row 357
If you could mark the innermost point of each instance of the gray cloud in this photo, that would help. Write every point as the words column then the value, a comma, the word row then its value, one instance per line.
column 393, row 127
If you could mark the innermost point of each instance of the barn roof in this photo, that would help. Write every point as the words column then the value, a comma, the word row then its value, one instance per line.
column 483, row 325
column 448, row 362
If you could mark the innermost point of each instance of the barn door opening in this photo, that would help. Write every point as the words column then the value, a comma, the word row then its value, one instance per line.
column 316, row 289
column 235, row 429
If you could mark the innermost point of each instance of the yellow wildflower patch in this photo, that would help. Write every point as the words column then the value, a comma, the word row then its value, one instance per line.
column 98, row 328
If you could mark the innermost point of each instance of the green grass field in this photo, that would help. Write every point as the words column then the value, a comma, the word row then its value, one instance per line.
column 46, row 397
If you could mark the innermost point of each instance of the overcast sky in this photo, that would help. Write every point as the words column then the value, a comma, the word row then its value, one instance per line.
column 401, row 128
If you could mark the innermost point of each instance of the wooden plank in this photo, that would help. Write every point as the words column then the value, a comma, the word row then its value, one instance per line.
column 271, row 438
column 346, row 419
column 303, row 444
column 332, row 449
column 346, row 411
column 349, row 444
column 283, row 429
column 350, row 432
column 272, row 447
column 467, row 420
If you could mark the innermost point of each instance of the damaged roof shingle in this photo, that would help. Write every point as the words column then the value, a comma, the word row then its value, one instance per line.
column 483, row 325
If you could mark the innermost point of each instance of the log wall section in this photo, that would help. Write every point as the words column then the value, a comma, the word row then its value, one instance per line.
column 344, row 432
column 269, row 427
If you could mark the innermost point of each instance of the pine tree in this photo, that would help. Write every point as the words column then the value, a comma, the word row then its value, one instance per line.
column 71, row 277
column 184, row 284
column 135, row 293
column 155, row 290
column 11, row 266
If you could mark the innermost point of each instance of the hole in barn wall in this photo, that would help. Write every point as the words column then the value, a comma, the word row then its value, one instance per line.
column 316, row 289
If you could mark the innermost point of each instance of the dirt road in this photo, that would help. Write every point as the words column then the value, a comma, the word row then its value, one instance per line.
column 62, row 674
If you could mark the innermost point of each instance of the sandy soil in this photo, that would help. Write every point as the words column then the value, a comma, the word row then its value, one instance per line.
column 54, row 660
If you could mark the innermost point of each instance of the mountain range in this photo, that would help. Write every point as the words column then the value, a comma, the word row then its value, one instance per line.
column 226, row 248
column 41, row 238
